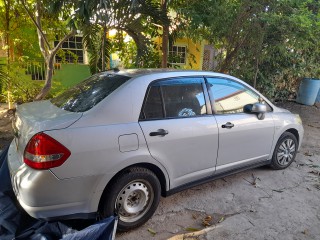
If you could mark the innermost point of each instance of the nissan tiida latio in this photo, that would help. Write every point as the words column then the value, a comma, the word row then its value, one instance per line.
column 119, row 140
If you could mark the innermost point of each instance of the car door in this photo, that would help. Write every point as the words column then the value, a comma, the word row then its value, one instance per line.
column 243, row 138
column 179, row 128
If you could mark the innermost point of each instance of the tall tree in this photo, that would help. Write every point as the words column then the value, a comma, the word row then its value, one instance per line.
column 13, row 26
column 269, row 43
column 133, row 17
column 165, row 35
column 6, row 26
column 49, row 10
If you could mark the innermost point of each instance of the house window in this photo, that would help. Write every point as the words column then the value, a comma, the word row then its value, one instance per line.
column 177, row 54
column 72, row 50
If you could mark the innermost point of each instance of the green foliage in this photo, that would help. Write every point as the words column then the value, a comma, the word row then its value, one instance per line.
column 14, row 79
column 62, row 54
column 56, row 90
column 288, row 49
column 3, row 80
column 92, row 39
column 270, row 43
column 136, row 18
column 128, row 52
column 17, row 31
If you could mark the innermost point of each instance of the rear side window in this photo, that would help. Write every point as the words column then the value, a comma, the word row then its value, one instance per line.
column 89, row 93
column 153, row 105
column 174, row 98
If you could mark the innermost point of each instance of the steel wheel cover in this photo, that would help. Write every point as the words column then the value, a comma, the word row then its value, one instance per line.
column 286, row 152
column 134, row 200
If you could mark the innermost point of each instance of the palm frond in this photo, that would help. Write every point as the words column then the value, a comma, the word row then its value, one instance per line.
column 92, row 41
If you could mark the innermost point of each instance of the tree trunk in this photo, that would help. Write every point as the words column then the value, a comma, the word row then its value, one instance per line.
column 45, row 47
column 165, row 37
column 47, row 86
column 7, row 4
column 41, row 37
column 7, row 24
column 103, row 50
column 165, row 41
column 256, row 73
column 229, row 59
column 50, row 66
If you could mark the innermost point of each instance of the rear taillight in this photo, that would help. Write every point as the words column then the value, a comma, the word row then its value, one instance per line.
column 44, row 152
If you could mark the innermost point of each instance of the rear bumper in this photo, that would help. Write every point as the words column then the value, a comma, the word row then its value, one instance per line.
column 43, row 195
column 62, row 211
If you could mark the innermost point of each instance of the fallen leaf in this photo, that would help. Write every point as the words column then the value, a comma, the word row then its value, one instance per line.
column 153, row 232
column 315, row 172
column 191, row 229
column 305, row 231
column 206, row 224
column 314, row 166
column 308, row 189
column 313, row 126
column 221, row 220
column 207, row 221
column 253, row 183
column 278, row 191
column 194, row 216
column 308, row 154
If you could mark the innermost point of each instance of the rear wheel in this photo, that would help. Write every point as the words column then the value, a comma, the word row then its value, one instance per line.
column 285, row 151
column 134, row 196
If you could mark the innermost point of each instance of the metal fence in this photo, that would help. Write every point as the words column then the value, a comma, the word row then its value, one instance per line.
column 37, row 69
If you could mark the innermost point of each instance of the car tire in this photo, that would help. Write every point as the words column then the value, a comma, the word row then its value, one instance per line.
column 133, row 196
column 285, row 151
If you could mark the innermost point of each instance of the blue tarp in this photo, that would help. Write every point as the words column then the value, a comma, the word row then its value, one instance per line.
column 15, row 223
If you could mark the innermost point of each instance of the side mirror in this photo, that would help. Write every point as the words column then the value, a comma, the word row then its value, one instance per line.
column 259, row 108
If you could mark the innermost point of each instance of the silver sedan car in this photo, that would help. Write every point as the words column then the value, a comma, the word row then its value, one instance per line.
column 120, row 140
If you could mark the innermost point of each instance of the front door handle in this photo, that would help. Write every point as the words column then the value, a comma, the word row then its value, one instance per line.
column 228, row 125
column 160, row 132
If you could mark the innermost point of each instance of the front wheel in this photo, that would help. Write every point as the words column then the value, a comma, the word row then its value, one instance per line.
column 285, row 151
column 134, row 196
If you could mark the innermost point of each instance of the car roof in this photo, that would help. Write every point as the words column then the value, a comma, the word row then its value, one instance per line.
column 147, row 71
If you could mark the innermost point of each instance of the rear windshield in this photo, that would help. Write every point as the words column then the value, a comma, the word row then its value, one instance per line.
column 89, row 93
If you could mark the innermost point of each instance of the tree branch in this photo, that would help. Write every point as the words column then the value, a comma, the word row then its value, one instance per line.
column 41, row 36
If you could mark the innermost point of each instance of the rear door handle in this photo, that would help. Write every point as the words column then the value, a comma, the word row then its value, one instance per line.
column 228, row 125
column 160, row 132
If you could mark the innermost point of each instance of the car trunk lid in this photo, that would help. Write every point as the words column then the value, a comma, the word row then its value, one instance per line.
column 32, row 118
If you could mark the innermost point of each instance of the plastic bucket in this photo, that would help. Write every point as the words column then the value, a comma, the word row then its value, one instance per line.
column 308, row 91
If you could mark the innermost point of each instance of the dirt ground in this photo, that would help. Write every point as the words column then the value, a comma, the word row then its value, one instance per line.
column 255, row 204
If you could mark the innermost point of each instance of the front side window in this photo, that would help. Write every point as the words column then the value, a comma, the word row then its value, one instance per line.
column 89, row 93
column 175, row 98
column 230, row 96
